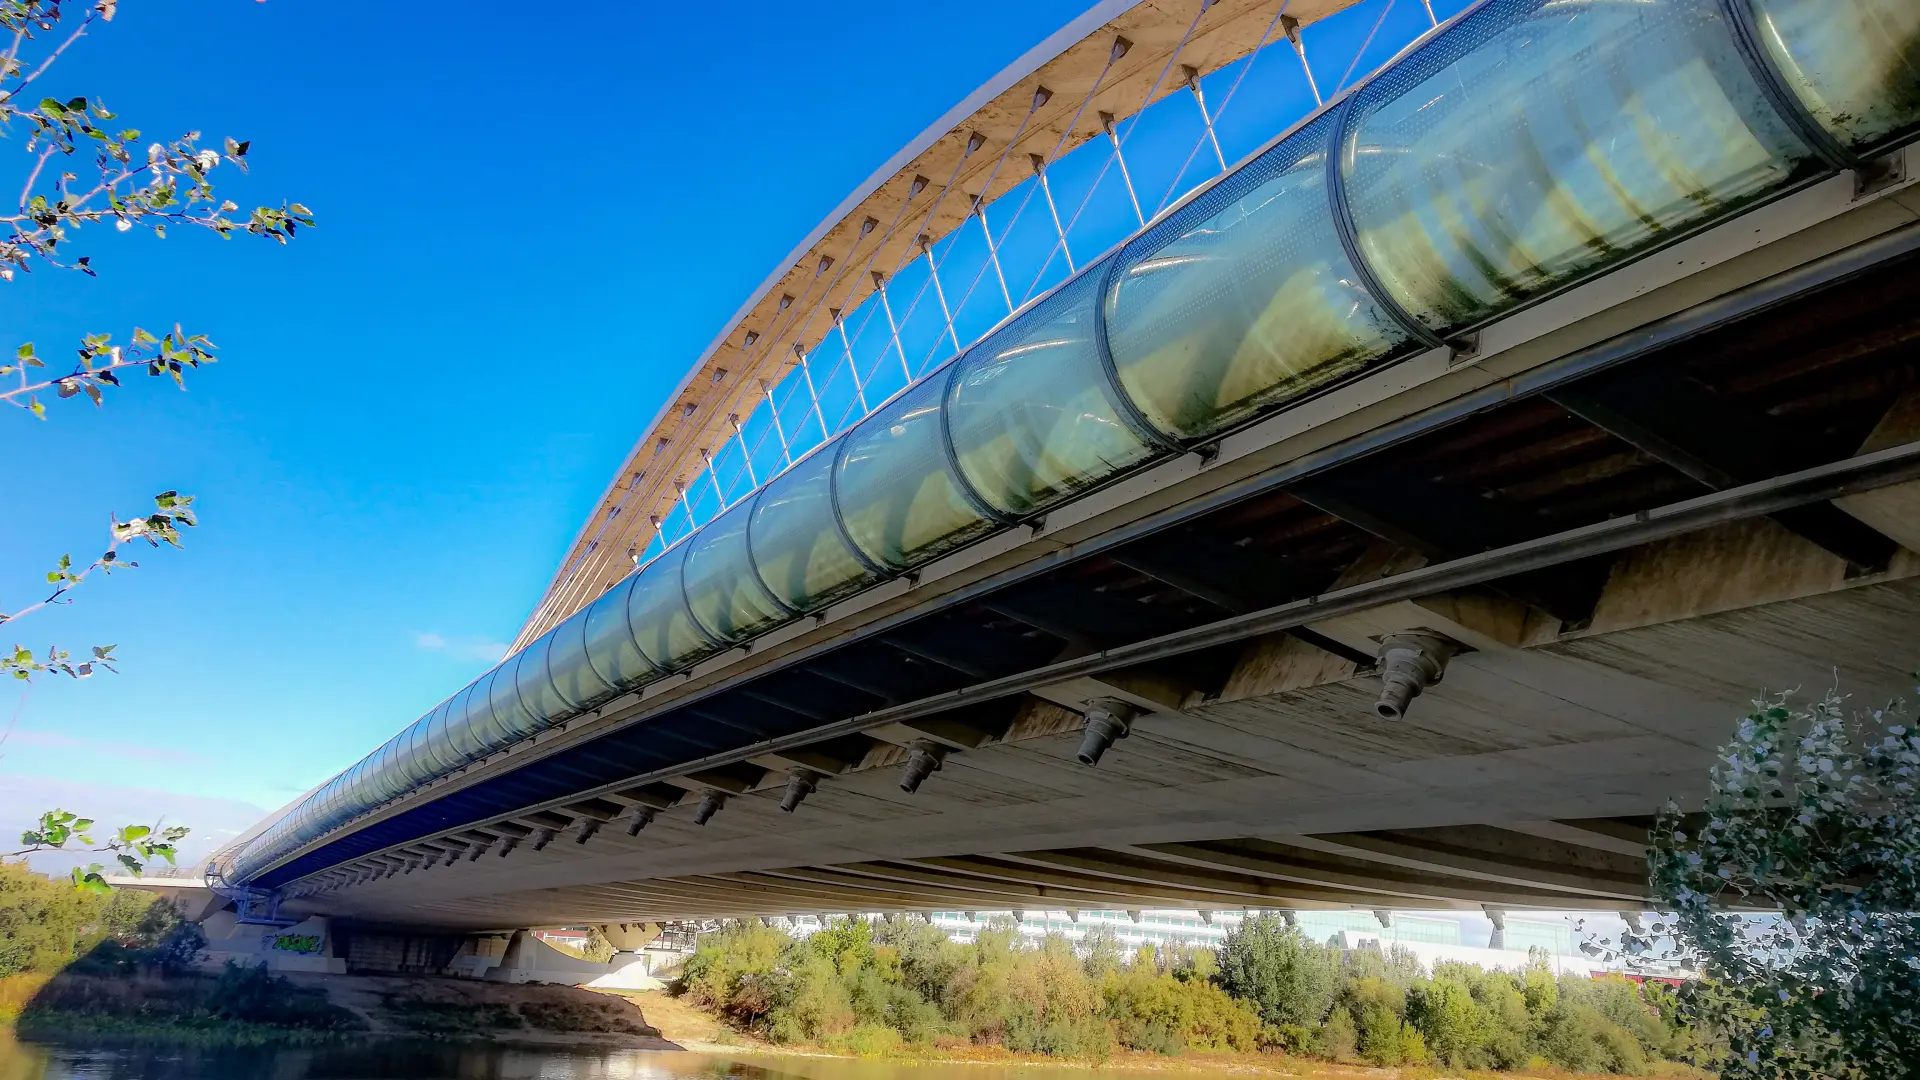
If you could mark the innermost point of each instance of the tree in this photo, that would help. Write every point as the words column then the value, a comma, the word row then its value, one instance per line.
column 82, row 172
column 1813, row 813
column 1291, row 980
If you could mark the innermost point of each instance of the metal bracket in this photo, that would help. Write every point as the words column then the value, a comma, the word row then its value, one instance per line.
column 1464, row 349
column 1879, row 174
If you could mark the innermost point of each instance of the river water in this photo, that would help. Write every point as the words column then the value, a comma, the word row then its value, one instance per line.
column 390, row 1061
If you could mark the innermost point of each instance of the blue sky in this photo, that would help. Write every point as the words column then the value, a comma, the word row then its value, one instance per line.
column 531, row 221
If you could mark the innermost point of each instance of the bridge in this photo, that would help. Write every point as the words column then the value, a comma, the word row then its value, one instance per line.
column 1249, row 454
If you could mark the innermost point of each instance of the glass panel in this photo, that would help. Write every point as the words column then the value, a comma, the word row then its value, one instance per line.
column 376, row 777
column 439, row 746
column 797, row 545
column 509, row 711
column 419, row 764
column 392, row 780
column 536, row 688
column 657, row 614
column 440, row 742
column 610, row 645
column 351, row 798
column 722, row 589
column 567, row 663
column 1032, row 415
column 1244, row 298
column 1854, row 63
column 406, row 763
column 400, row 779
column 1534, row 142
column 468, row 741
column 902, row 503
column 487, row 733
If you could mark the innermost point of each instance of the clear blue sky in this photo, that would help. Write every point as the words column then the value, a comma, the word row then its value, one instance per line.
column 532, row 218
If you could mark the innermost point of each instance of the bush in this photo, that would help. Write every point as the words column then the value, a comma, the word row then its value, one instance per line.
column 1340, row 1035
column 1289, row 979
column 257, row 996
column 868, row 1041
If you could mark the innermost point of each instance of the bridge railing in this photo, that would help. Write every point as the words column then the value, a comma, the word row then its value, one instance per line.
column 1529, row 145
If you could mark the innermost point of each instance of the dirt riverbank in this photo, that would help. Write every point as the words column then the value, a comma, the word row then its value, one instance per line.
column 313, row 1008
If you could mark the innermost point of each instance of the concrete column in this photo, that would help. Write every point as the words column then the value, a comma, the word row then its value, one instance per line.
column 1498, row 918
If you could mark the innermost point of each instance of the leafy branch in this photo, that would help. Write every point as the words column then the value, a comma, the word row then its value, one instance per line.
column 166, row 183
column 1795, row 892
column 134, row 847
column 99, row 366
column 172, row 512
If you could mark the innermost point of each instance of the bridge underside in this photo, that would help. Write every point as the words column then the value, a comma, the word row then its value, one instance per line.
column 1593, row 687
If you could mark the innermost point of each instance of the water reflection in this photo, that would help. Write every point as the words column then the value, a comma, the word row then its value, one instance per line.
column 24, row 1061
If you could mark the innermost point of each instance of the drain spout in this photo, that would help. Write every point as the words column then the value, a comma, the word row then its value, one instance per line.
column 800, row 784
column 710, row 804
column 922, row 762
column 1409, row 663
column 1108, row 721
column 639, row 818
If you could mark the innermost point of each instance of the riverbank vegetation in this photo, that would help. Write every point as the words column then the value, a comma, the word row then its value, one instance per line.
column 77, row 963
column 241, row 1006
column 48, row 926
column 897, row 986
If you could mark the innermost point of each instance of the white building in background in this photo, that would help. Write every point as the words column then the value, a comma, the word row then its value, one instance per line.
column 1428, row 937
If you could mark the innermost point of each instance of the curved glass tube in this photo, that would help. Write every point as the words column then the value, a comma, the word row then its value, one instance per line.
column 1855, row 64
column 1031, row 412
column 798, row 548
column 614, row 655
column 901, row 500
column 573, row 676
column 1537, row 140
column 537, row 691
column 1244, row 298
column 658, row 617
column 724, row 592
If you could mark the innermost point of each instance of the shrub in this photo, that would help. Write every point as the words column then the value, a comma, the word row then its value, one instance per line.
column 1340, row 1036
column 256, row 995
column 867, row 1041
column 1289, row 979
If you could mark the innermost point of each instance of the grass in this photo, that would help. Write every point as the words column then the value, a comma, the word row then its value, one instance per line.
column 236, row 1008
column 449, row 1019
column 58, row 1026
